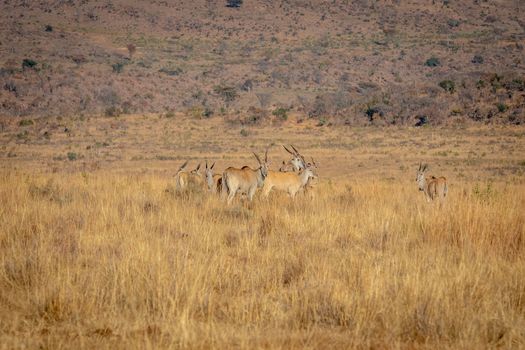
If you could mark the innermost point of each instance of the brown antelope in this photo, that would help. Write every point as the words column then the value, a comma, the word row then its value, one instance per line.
column 184, row 178
column 289, row 182
column 181, row 177
column 433, row 187
column 297, row 162
column 244, row 180
column 213, row 181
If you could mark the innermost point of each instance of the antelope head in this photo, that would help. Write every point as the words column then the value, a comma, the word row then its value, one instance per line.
column 420, row 178
column 182, row 167
column 196, row 171
column 263, row 166
column 209, row 175
column 297, row 160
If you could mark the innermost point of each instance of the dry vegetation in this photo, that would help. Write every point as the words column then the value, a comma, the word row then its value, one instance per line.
column 113, row 261
column 98, row 250
column 355, row 62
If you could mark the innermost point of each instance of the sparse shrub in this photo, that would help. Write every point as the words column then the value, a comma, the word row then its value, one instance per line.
column 11, row 87
column 516, row 84
column 23, row 135
column 244, row 133
column 255, row 115
column 421, row 120
column 112, row 111
column 501, row 107
column 131, row 50
column 322, row 121
column 264, row 99
column 25, row 122
column 233, row 3
column 371, row 111
column 485, row 193
column 247, row 85
column 28, row 63
column 72, row 156
column 281, row 113
column 447, row 85
column 318, row 108
column 171, row 72
column 480, row 84
column 117, row 67
column 453, row 23
column 108, row 96
column 48, row 28
column 495, row 82
column 169, row 114
column 207, row 113
column 199, row 112
column 477, row 59
column 432, row 62
column 228, row 93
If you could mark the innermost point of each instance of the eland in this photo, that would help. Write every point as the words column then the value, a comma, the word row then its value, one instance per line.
column 433, row 187
column 245, row 180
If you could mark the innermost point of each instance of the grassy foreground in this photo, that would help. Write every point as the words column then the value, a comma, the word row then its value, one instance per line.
column 103, row 260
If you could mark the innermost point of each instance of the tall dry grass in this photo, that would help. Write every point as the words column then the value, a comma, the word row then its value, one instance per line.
column 114, row 261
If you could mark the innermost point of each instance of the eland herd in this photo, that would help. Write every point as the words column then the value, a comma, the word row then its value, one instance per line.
column 293, row 175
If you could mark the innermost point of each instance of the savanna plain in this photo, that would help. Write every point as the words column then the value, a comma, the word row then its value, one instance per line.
column 100, row 250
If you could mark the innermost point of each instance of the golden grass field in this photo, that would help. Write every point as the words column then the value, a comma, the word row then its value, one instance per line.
column 104, row 252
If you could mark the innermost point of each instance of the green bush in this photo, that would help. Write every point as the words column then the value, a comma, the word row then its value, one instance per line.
column 480, row 84
column 228, row 93
column 502, row 107
column 448, row 86
column 477, row 59
column 28, row 63
column 25, row 122
column 281, row 113
column 71, row 156
column 118, row 67
column 432, row 62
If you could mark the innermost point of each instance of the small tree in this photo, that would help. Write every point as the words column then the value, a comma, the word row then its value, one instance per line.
column 131, row 50
column 233, row 3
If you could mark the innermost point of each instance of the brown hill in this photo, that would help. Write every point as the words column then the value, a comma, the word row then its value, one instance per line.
column 352, row 62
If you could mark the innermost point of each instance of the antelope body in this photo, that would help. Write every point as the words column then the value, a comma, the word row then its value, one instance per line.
column 288, row 182
column 433, row 187
column 244, row 180
column 184, row 178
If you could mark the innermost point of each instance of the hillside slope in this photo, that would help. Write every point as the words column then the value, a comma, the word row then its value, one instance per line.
column 352, row 62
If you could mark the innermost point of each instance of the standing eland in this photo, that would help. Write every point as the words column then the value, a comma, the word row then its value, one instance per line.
column 184, row 178
column 433, row 187
column 245, row 180
column 289, row 182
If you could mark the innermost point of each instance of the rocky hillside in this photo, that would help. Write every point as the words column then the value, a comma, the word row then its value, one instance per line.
column 353, row 62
